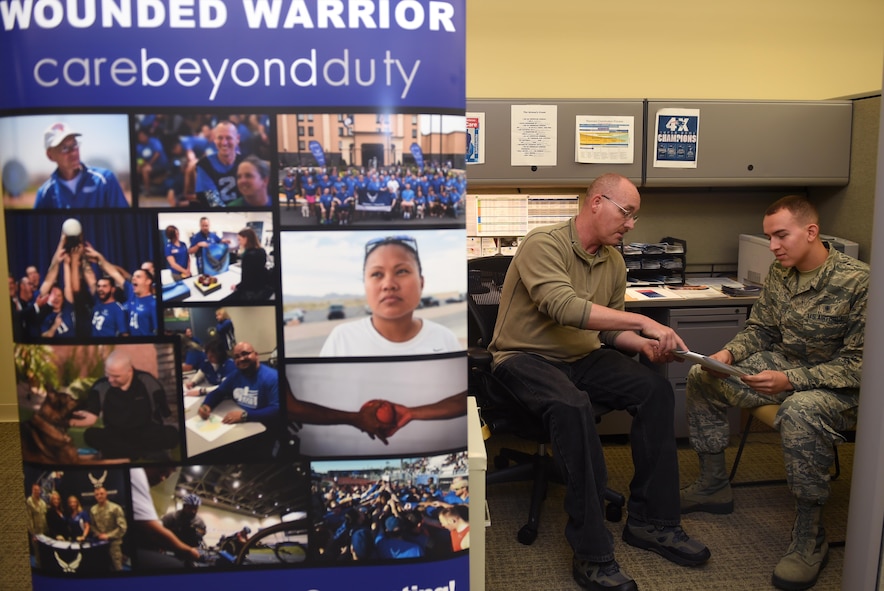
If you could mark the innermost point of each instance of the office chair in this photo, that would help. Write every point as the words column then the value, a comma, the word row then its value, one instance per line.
column 501, row 411
column 766, row 414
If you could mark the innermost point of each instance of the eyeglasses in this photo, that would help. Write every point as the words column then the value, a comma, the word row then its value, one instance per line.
column 626, row 213
column 406, row 241
column 70, row 147
column 243, row 354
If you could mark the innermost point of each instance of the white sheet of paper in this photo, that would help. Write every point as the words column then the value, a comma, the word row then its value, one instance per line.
column 710, row 363
column 209, row 429
column 533, row 135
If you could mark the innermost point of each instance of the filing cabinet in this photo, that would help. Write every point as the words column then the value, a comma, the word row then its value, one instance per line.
column 706, row 331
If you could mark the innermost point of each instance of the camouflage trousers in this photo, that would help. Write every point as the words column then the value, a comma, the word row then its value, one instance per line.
column 809, row 421
column 116, row 554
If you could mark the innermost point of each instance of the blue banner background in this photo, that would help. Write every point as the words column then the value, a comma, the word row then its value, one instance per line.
column 409, row 68
column 118, row 69
column 445, row 575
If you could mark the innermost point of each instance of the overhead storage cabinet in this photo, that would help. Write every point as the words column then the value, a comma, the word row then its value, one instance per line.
column 497, row 171
column 759, row 143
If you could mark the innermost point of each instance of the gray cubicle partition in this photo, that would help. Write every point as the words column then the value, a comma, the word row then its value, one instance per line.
column 498, row 169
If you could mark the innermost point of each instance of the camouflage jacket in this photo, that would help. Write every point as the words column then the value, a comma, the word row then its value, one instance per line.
column 820, row 329
column 109, row 520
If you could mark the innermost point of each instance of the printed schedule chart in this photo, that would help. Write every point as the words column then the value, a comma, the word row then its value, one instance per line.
column 515, row 215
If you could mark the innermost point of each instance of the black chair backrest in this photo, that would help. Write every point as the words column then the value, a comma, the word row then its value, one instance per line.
column 485, row 280
column 486, row 275
column 500, row 409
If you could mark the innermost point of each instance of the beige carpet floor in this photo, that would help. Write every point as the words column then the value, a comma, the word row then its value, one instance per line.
column 15, row 571
column 745, row 545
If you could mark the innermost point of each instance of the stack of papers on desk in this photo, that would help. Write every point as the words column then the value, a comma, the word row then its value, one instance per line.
column 717, row 282
column 686, row 292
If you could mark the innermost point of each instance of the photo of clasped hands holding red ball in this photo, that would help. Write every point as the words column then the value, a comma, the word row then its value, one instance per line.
column 377, row 418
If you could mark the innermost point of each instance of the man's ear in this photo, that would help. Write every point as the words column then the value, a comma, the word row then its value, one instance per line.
column 813, row 232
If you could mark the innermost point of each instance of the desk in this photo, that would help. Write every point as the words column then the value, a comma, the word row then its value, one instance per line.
column 197, row 444
column 681, row 297
column 478, row 464
column 227, row 280
column 716, row 302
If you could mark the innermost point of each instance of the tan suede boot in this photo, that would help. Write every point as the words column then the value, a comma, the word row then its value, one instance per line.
column 711, row 492
column 808, row 553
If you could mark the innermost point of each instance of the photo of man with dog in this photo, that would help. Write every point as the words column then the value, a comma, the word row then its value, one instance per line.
column 106, row 404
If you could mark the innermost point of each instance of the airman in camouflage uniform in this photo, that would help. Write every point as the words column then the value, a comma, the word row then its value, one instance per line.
column 109, row 523
column 36, row 510
column 803, row 346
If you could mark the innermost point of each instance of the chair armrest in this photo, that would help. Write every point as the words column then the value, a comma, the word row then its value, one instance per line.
column 479, row 358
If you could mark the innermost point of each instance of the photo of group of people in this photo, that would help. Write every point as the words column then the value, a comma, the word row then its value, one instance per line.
column 92, row 275
column 202, row 160
column 203, row 298
column 354, row 195
column 217, row 256
column 339, row 169
column 78, row 519
column 380, row 510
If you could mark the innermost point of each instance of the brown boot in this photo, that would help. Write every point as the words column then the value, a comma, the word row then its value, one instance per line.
column 711, row 492
column 808, row 553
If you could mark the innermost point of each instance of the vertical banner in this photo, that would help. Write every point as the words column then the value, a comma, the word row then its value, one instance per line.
column 235, row 238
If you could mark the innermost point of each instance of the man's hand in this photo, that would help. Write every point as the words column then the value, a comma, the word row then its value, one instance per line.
column 234, row 416
column 403, row 417
column 92, row 255
column 723, row 356
column 204, row 411
column 367, row 421
column 59, row 250
column 667, row 339
column 83, row 418
column 768, row 382
column 655, row 353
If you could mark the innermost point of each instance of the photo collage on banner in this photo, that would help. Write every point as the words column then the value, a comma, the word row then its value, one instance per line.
column 240, row 332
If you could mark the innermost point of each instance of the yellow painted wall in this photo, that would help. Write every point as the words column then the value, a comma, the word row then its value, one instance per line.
column 756, row 49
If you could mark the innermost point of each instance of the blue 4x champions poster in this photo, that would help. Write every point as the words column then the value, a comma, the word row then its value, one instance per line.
column 235, row 236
